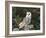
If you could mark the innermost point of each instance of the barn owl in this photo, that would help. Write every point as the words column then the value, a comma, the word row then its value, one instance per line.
column 26, row 20
column 28, row 17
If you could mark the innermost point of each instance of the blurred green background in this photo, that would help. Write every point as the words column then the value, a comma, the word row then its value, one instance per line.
column 18, row 13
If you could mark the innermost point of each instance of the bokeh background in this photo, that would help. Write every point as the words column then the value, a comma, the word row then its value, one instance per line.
column 18, row 13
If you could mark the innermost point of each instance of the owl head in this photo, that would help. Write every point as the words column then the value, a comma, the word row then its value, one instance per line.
column 28, row 13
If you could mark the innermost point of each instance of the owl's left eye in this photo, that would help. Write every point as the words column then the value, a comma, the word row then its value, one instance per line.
column 28, row 14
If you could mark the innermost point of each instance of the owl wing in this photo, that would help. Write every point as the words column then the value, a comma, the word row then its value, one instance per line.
column 28, row 20
column 22, row 24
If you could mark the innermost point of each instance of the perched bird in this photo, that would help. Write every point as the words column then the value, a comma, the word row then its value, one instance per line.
column 28, row 17
column 26, row 21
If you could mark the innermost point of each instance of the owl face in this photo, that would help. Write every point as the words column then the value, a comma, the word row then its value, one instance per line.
column 28, row 14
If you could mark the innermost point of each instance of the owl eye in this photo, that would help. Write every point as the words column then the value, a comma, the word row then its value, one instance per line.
column 29, row 14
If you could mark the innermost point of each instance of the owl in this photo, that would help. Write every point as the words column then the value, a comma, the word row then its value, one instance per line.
column 26, row 21
column 28, row 17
